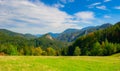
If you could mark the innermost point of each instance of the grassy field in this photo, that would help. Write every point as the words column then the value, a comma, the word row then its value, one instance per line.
column 54, row 63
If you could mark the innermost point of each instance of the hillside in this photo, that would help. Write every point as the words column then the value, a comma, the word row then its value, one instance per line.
column 70, row 35
column 90, row 39
column 101, row 42
column 14, row 34
column 17, row 44
column 48, row 41
column 116, row 55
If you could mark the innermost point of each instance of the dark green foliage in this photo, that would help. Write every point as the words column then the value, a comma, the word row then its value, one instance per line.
column 102, row 42
column 13, row 34
column 77, row 51
column 97, row 49
column 9, row 49
column 10, row 43
column 64, row 51
column 85, row 43
column 47, row 41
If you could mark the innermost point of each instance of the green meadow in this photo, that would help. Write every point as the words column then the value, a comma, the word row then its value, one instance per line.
column 60, row 63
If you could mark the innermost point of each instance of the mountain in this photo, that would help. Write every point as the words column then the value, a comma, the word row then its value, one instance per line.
column 104, row 26
column 101, row 42
column 10, row 33
column 47, row 40
column 38, row 35
column 89, row 27
column 70, row 35
column 85, row 39
column 48, row 36
column 29, row 36
column 54, row 35
column 70, row 31
column 21, row 42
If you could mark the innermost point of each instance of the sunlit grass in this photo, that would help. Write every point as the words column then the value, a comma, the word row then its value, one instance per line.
column 59, row 63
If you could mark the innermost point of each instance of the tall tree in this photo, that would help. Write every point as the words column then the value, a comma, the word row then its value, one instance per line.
column 77, row 51
column 97, row 50
column 50, row 51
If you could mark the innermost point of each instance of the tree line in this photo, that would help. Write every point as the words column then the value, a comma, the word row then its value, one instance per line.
column 100, row 43
column 103, row 42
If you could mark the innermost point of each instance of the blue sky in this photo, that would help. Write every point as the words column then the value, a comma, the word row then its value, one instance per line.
column 43, row 16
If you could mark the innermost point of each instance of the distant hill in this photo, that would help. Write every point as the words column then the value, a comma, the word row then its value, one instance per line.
column 63, row 42
column 101, row 42
column 54, row 40
column 54, row 35
column 10, row 33
column 38, row 35
column 70, row 35
column 21, row 40
column 67, row 31
column 47, row 40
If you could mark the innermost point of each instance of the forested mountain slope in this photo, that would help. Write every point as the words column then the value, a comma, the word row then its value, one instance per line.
column 101, row 42
column 70, row 35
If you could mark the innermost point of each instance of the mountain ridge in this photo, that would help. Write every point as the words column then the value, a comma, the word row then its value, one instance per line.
column 67, row 35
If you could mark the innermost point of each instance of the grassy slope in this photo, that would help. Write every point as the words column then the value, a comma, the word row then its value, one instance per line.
column 116, row 55
column 54, row 63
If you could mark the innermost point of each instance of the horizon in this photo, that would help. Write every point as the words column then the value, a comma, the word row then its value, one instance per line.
column 57, row 32
column 44, row 16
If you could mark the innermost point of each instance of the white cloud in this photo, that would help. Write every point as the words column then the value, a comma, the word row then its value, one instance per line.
column 94, row 4
column 107, row 16
column 98, row 5
column 58, row 5
column 61, row 3
column 117, row 7
column 26, row 17
column 101, row 7
column 87, row 15
column 107, row 0
column 67, row 1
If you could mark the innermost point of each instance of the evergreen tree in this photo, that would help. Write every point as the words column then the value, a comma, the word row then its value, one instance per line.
column 97, row 50
column 77, row 51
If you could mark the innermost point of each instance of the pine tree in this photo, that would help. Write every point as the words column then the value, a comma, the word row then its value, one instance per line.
column 77, row 51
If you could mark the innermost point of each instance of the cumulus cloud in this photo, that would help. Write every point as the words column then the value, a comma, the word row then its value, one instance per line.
column 26, row 17
column 85, row 16
column 18, row 15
